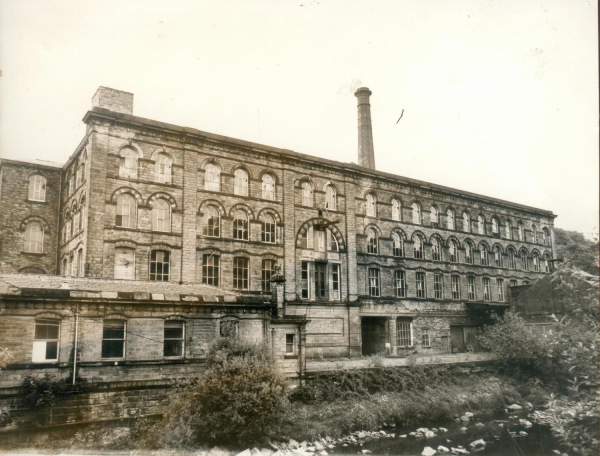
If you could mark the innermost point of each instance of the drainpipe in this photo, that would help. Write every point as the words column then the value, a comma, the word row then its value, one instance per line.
column 75, row 351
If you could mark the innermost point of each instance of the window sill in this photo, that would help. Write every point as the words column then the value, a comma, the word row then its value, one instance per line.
column 36, row 201
column 290, row 357
column 33, row 254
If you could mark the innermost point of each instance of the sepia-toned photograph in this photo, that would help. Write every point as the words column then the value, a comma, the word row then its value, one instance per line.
column 299, row 227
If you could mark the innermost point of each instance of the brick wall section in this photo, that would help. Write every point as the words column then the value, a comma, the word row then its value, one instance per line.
column 16, row 209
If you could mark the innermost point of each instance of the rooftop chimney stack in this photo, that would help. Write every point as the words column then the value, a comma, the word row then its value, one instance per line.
column 113, row 100
column 366, row 153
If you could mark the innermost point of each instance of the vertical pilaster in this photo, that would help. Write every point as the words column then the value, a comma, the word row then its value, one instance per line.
column 289, row 234
column 351, row 266
column 190, row 208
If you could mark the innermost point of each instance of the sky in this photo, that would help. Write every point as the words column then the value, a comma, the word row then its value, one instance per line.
column 499, row 97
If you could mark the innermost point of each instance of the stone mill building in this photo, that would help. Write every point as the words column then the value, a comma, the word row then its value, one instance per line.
column 154, row 239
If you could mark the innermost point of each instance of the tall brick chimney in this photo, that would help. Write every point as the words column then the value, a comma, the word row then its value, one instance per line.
column 366, row 153
column 113, row 100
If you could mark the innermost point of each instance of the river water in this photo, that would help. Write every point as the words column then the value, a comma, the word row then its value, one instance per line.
column 503, row 440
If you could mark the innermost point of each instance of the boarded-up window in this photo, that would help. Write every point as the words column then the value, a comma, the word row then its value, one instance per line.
column 125, row 264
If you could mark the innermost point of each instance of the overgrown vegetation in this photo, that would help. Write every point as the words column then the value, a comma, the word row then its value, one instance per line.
column 575, row 249
column 566, row 359
column 240, row 399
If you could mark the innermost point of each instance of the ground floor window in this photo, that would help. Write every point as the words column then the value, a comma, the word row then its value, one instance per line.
column 438, row 286
column 320, row 281
column 174, row 338
column 421, row 285
column 335, row 281
column 113, row 339
column 500, row 287
column 268, row 269
column 305, row 279
column 400, row 283
column 486, row 289
column 425, row 340
column 404, row 332
column 455, row 287
column 46, row 341
column 290, row 344
column 471, row 288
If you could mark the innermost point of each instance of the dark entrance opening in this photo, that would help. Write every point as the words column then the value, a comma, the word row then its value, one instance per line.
column 464, row 338
column 373, row 335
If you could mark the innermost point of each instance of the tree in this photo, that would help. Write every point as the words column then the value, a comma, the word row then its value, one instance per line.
column 574, row 248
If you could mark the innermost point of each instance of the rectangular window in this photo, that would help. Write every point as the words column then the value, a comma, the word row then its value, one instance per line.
column 425, row 340
column 45, row 344
column 240, row 273
column 500, row 288
column 124, row 264
column 513, row 283
column 320, row 276
column 421, row 285
column 290, row 344
column 159, row 265
column 228, row 328
column 335, row 281
column 268, row 268
column 455, row 287
column 404, row 332
column 487, row 296
column 113, row 339
column 305, row 280
column 400, row 283
column 471, row 288
column 373, row 282
column 210, row 269
column 321, row 238
column 438, row 286
column 173, row 338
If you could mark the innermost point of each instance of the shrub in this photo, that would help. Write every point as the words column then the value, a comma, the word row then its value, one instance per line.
column 240, row 399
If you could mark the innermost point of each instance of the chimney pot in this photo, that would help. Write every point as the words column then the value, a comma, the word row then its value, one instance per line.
column 113, row 100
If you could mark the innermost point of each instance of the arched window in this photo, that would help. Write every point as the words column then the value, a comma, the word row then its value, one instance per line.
column 68, row 225
column 126, row 211
column 418, row 247
column 485, row 259
column 453, row 251
column 436, row 250
column 512, row 259
column 494, row 225
column 162, row 169
column 240, row 182
column 82, row 221
column 545, row 236
column 398, row 245
column 534, row 234
column 71, row 184
column 396, row 210
column 535, row 259
column 268, row 229
column 211, row 225
column 481, row 225
column 34, row 238
column 268, row 187
column 371, row 206
column 81, row 264
column 521, row 229
column 433, row 215
column 161, row 215
column 129, row 164
column 469, row 258
column 466, row 222
column 76, row 219
column 307, row 194
column 546, row 263
column 240, row 225
column 524, row 260
column 508, row 229
column 416, row 213
column 372, row 241
column 330, row 198
column 37, row 188
column 333, row 243
column 450, row 219
column 498, row 256
column 212, row 178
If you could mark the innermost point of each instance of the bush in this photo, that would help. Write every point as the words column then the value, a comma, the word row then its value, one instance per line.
column 240, row 399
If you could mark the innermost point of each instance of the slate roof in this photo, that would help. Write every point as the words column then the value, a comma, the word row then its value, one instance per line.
column 58, row 286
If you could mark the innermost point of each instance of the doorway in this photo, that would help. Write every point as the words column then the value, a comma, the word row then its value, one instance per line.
column 373, row 335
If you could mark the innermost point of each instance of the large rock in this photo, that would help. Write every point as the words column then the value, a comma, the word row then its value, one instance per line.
column 216, row 451
column 514, row 407
column 293, row 444
column 459, row 451
column 442, row 449
column 246, row 452
column 422, row 430
column 429, row 434
column 428, row 451
column 477, row 445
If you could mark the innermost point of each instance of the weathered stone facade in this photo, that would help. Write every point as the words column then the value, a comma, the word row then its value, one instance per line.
column 373, row 261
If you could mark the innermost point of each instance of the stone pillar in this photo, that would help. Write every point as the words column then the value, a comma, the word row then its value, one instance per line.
column 190, row 208
column 351, row 264
column 366, row 154
column 354, row 331
column 391, row 322
column 278, row 286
